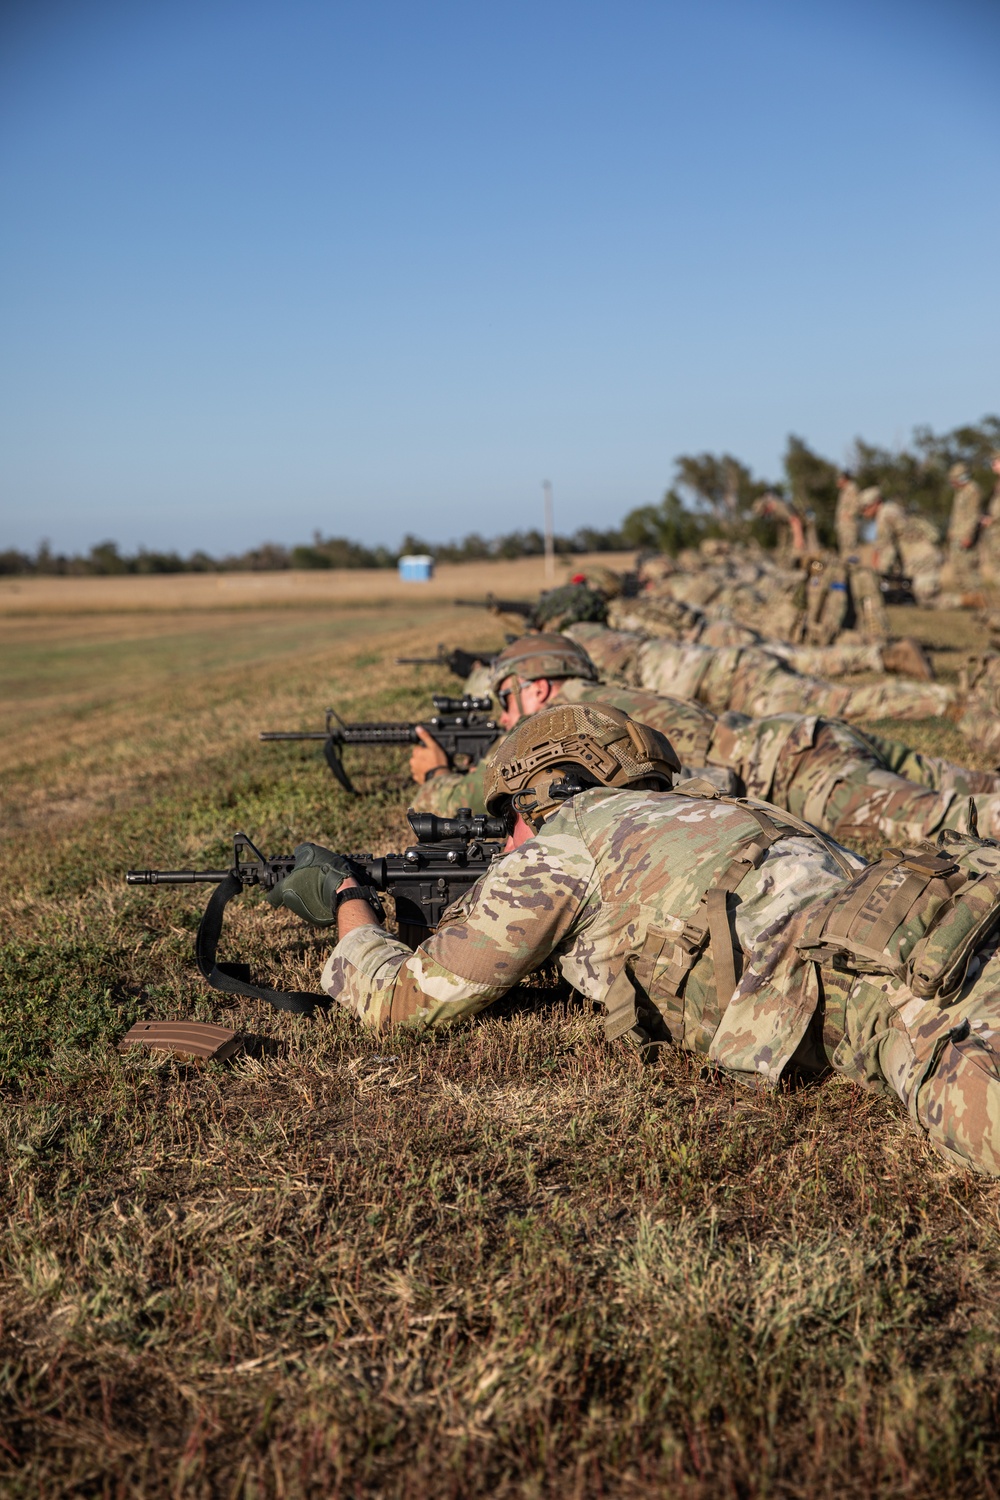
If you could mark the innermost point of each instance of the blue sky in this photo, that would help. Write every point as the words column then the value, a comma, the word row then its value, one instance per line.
column 371, row 267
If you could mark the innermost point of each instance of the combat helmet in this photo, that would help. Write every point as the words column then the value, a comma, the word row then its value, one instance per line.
column 533, row 656
column 564, row 606
column 959, row 473
column 569, row 747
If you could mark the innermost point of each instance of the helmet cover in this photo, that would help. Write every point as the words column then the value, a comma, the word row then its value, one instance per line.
column 533, row 765
column 534, row 656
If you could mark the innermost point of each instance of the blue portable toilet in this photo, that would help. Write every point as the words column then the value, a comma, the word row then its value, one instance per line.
column 416, row 567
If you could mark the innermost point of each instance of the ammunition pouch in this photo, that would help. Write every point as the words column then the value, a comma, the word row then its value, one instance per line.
column 919, row 916
column 645, row 1002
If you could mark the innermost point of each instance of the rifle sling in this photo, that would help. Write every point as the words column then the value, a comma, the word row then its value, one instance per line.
column 234, row 979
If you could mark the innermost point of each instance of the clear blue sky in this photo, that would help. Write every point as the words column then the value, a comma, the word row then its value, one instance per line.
column 371, row 266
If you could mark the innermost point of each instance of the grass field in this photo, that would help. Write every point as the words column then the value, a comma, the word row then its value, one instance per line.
column 508, row 1261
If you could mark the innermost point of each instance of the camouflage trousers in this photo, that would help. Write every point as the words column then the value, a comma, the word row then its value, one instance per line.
column 837, row 660
column 942, row 1063
column 755, row 682
column 845, row 785
column 980, row 721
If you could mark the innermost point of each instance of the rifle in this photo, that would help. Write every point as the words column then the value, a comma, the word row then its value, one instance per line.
column 497, row 606
column 463, row 727
column 459, row 662
column 450, row 855
column 896, row 588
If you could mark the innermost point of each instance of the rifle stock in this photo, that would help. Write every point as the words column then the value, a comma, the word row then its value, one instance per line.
column 460, row 663
column 522, row 607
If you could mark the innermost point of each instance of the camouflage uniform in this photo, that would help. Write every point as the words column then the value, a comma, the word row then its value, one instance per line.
column 605, row 871
column 669, row 619
column 963, row 531
column 844, row 782
column 869, row 607
column 909, row 545
column 980, row 721
column 887, row 1013
column 753, row 681
column 846, row 518
column 617, row 887
column 989, row 540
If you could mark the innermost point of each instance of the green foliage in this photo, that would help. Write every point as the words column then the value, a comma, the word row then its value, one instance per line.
column 812, row 484
column 714, row 494
column 667, row 527
column 720, row 484
column 338, row 552
column 918, row 477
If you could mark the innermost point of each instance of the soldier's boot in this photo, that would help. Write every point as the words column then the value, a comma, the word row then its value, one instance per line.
column 907, row 658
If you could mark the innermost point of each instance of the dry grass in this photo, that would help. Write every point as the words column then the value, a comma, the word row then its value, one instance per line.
column 337, row 588
column 508, row 1261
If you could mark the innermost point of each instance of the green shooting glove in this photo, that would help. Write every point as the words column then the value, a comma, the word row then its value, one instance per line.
column 310, row 888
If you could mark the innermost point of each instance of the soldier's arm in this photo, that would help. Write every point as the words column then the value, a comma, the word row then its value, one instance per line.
column 427, row 758
column 506, row 926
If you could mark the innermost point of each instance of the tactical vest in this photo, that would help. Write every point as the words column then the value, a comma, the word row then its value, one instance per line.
column 645, row 1002
column 919, row 915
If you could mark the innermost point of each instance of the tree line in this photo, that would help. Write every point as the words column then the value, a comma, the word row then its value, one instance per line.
column 711, row 495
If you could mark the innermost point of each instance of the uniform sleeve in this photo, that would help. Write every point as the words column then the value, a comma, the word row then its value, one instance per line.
column 508, row 924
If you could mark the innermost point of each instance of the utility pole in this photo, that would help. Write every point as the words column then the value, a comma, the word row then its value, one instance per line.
column 550, row 544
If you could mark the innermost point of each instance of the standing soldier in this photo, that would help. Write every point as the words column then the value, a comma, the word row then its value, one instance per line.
column 846, row 517
column 908, row 545
column 963, row 528
column 989, row 538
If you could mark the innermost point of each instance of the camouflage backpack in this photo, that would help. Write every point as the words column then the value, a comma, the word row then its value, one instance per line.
column 646, row 1000
column 919, row 915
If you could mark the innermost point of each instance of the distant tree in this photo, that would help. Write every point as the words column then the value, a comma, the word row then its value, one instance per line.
column 588, row 539
column 720, row 484
column 667, row 527
column 16, row 562
column 918, row 476
column 811, row 482
column 105, row 559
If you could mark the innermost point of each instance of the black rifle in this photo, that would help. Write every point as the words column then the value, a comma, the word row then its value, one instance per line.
column 459, row 662
column 463, row 727
column 497, row 606
column 450, row 855
column 896, row 588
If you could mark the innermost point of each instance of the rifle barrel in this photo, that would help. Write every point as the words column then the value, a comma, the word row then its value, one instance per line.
column 294, row 734
column 175, row 877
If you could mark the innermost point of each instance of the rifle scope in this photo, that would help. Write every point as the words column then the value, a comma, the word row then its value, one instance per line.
column 445, row 705
column 430, row 829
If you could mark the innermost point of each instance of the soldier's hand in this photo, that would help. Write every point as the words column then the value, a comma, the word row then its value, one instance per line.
column 310, row 888
column 427, row 758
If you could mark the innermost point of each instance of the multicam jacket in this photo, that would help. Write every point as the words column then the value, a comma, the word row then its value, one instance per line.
column 753, row 680
column 614, row 878
column 966, row 509
column 688, row 726
column 824, row 770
